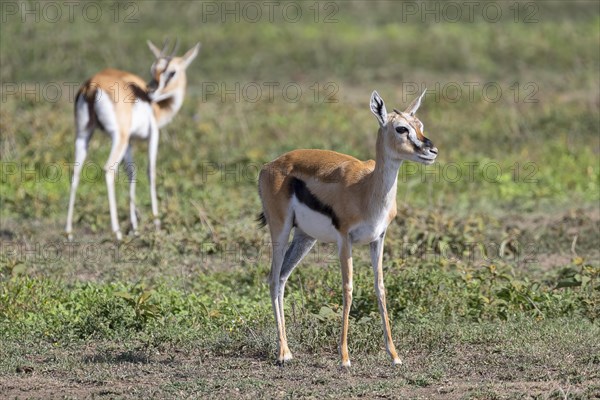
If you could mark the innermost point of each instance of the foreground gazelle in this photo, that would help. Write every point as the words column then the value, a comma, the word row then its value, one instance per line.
column 335, row 198
column 123, row 106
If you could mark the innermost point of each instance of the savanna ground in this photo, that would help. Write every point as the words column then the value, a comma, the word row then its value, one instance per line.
column 492, row 265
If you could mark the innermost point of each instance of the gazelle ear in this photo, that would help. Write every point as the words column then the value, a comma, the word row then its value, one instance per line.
column 414, row 106
column 155, row 50
column 190, row 55
column 378, row 108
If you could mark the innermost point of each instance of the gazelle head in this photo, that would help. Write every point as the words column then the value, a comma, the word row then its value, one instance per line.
column 402, row 132
column 168, row 71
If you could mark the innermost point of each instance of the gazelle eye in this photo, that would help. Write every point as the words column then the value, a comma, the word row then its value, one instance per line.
column 169, row 76
column 401, row 129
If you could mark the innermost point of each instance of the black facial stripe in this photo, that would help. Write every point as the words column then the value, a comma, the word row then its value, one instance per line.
column 410, row 138
column 306, row 197
column 417, row 147
column 413, row 143
column 166, row 68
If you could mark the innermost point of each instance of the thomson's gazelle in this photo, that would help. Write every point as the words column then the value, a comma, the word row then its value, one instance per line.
column 335, row 198
column 123, row 106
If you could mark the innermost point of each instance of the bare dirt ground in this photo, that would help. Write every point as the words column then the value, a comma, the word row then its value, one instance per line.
column 482, row 371
column 106, row 371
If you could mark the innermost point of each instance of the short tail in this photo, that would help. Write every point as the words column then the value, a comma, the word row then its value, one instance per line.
column 88, row 91
column 262, row 220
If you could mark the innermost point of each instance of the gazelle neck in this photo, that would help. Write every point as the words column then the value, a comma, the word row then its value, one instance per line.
column 384, row 178
column 166, row 109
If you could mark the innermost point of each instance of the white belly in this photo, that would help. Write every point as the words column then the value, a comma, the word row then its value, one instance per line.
column 314, row 224
column 320, row 226
column 367, row 232
column 142, row 120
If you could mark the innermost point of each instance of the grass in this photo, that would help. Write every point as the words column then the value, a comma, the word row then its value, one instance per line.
column 437, row 361
column 491, row 267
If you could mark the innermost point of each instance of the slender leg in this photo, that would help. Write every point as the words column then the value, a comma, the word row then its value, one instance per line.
column 132, row 177
column 280, row 232
column 116, row 155
column 345, row 251
column 376, row 260
column 152, row 152
column 81, row 148
column 298, row 249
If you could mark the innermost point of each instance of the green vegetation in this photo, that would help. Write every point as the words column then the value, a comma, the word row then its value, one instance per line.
column 492, row 266
column 214, row 309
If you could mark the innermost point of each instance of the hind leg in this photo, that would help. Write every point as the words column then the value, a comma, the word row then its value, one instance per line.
column 280, row 232
column 82, row 139
column 298, row 249
column 117, row 152
column 132, row 177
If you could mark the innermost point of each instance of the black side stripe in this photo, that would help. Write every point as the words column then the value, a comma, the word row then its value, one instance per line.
column 306, row 197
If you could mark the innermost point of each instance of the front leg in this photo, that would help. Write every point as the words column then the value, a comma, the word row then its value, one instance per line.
column 376, row 260
column 152, row 153
column 345, row 252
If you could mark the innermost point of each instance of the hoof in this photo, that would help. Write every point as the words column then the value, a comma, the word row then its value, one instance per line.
column 118, row 236
column 345, row 364
column 69, row 236
column 157, row 223
column 287, row 356
column 283, row 359
column 397, row 362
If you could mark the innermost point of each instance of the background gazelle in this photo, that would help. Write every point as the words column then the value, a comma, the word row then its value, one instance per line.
column 335, row 198
column 122, row 105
